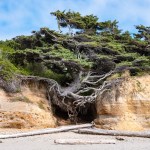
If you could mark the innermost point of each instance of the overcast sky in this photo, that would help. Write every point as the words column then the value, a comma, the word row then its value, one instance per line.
column 20, row 17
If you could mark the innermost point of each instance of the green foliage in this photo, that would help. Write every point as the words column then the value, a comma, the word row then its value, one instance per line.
column 88, row 24
column 116, row 46
column 4, row 46
column 29, row 55
column 93, row 43
column 38, row 69
column 74, row 20
column 124, row 63
column 134, row 55
column 143, row 33
column 5, row 50
column 143, row 61
column 109, row 27
column 7, row 69
column 63, row 53
column 68, row 55
column 105, row 39
column 126, row 37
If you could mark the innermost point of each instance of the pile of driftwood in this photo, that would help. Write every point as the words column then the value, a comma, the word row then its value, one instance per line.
column 81, row 129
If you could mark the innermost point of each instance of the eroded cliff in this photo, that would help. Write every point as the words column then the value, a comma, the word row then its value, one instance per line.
column 126, row 106
column 28, row 108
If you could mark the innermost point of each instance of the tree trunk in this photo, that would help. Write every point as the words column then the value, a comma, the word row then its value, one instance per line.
column 144, row 134
column 46, row 131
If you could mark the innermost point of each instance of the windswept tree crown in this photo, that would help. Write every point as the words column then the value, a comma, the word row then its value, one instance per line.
column 86, row 24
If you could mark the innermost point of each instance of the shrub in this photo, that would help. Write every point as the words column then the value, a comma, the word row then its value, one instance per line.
column 7, row 69
column 38, row 69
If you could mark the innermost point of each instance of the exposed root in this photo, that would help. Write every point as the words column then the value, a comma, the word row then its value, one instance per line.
column 81, row 92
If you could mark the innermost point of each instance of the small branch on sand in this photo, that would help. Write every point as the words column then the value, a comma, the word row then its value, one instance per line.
column 83, row 141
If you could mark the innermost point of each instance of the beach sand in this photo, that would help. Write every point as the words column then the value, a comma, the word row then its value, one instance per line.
column 46, row 142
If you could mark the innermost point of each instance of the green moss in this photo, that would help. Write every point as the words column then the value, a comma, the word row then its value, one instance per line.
column 21, row 99
column 138, row 83
column 41, row 105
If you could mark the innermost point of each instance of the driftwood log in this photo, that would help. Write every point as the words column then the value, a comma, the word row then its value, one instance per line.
column 94, row 131
column 46, row 131
column 83, row 141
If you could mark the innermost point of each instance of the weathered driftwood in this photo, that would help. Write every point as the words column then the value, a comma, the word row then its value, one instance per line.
column 145, row 134
column 83, row 141
column 46, row 131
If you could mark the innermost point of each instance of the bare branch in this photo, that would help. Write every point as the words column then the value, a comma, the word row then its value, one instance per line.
column 96, row 82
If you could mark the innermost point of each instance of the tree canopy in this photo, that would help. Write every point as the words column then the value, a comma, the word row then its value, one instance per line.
column 143, row 33
column 86, row 24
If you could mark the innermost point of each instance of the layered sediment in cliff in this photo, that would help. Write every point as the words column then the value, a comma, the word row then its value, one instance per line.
column 28, row 108
column 126, row 106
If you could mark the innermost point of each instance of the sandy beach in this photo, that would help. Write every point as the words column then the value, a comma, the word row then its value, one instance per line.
column 46, row 142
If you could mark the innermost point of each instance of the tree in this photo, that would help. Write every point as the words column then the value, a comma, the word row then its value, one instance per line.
column 78, row 95
column 91, row 23
column 126, row 36
column 143, row 33
column 109, row 27
column 74, row 20
column 60, row 18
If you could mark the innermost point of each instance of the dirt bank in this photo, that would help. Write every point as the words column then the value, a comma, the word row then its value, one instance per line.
column 26, row 109
column 125, row 106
